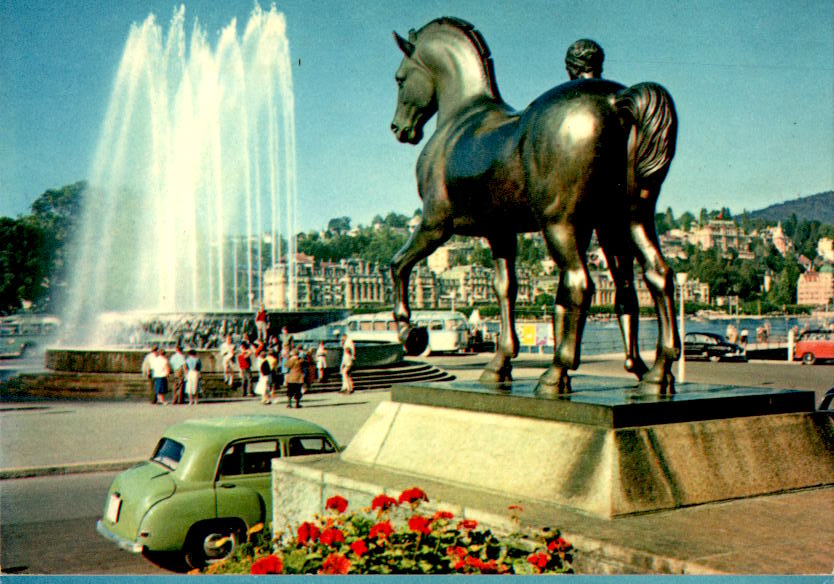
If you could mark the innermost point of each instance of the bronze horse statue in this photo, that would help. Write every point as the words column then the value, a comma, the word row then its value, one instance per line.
column 587, row 155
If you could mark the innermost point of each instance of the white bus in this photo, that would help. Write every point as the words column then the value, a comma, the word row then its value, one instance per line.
column 448, row 331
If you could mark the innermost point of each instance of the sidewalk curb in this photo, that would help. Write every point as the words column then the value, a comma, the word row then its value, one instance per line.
column 63, row 469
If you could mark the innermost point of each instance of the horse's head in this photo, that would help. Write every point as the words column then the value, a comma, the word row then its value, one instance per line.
column 416, row 96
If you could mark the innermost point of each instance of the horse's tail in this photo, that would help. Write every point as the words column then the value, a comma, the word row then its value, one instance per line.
column 648, row 112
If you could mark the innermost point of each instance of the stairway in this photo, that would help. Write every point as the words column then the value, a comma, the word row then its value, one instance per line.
column 66, row 385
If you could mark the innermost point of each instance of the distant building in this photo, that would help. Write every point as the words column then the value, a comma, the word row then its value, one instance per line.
column 724, row 234
column 815, row 288
column 825, row 248
column 777, row 237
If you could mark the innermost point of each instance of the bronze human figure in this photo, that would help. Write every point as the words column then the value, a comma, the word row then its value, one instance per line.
column 584, row 59
column 571, row 162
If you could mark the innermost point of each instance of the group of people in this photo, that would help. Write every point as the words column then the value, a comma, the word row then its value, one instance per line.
column 266, row 366
column 183, row 368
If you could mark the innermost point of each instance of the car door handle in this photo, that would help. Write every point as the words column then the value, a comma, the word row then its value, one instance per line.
column 227, row 485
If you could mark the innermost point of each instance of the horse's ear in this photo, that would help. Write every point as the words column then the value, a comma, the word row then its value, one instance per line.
column 405, row 46
column 412, row 36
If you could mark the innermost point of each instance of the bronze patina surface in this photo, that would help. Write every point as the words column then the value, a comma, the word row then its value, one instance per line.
column 586, row 155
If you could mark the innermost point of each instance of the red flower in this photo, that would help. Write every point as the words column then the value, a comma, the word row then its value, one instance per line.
column 558, row 545
column 467, row 524
column 413, row 495
column 383, row 502
column 337, row 503
column 308, row 532
column 381, row 530
column 419, row 524
column 359, row 547
column 267, row 565
column 442, row 515
column 332, row 536
column 335, row 564
column 456, row 551
column 489, row 567
column 539, row 560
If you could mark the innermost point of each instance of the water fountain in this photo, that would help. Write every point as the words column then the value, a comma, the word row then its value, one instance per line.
column 193, row 186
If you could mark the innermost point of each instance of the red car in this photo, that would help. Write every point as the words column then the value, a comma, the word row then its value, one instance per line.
column 814, row 345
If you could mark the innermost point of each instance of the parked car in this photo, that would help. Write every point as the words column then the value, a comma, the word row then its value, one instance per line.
column 206, row 484
column 814, row 345
column 713, row 347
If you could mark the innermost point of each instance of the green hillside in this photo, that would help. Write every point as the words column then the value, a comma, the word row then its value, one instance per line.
column 819, row 207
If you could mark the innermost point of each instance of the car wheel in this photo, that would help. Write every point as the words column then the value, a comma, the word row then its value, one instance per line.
column 211, row 543
column 808, row 359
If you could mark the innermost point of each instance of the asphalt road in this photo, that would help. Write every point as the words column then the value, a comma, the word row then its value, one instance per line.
column 48, row 526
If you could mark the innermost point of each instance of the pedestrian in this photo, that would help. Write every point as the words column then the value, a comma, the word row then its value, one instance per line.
column 294, row 379
column 309, row 370
column 244, row 364
column 321, row 361
column 264, row 378
column 286, row 340
column 227, row 355
column 160, row 369
column 276, row 379
column 177, row 363
column 260, row 323
column 348, row 357
column 193, row 367
column 147, row 374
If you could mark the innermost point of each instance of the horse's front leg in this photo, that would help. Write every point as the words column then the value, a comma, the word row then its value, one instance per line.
column 422, row 243
column 573, row 297
column 505, row 285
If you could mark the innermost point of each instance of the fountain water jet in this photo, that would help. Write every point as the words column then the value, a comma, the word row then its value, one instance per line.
column 196, row 156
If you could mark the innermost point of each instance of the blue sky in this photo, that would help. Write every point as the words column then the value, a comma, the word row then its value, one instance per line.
column 753, row 83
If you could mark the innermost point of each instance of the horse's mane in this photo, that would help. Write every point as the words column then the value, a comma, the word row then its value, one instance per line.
column 474, row 36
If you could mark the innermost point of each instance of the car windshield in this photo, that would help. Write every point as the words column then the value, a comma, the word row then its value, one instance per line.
column 168, row 453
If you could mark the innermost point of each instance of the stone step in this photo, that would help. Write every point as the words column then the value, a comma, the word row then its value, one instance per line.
column 66, row 385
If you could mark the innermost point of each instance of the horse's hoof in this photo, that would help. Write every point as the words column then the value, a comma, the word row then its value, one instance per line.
column 416, row 341
column 492, row 377
column 553, row 383
column 662, row 388
column 636, row 366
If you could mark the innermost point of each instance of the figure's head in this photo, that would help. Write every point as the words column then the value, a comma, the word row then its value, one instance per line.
column 584, row 60
column 416, row 98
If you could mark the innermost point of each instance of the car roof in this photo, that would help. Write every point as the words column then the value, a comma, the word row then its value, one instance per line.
column 203, row 438
column 225, row 428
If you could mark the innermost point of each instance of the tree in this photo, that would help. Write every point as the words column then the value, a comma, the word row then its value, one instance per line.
column 339, row 225
column 23, row 267
column 686, row 220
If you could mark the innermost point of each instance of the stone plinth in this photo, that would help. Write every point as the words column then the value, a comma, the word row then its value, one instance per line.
column 602, row 450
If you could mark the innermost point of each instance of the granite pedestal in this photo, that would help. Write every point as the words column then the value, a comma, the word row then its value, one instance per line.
column 603, row 449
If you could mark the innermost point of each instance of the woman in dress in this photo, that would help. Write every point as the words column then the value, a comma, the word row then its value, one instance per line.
column 193, row 366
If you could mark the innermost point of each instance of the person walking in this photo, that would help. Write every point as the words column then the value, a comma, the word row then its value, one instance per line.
column 244, row 363
column 227, row 355
column 147, row 373
column 309, row 370
column 348, row 357
column 260, row 323
column 177, row 363
column 294, row 379
column 160, row 369
column 276, row 378
column 321, row 361
column 264, row 376
column 193, row 367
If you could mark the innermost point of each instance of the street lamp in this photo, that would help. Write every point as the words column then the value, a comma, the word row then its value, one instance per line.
column 682, row 277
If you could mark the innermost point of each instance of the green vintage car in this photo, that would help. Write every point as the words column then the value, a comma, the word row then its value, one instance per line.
column 206, row 484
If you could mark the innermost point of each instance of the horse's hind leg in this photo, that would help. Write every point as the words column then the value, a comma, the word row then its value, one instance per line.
column 617, row 249
column 423, row 241
column 661, row 283
column 573, row 297
column 505, row 286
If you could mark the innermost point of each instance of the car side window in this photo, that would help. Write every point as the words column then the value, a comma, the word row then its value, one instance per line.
column 247, row 458
column 304, row 445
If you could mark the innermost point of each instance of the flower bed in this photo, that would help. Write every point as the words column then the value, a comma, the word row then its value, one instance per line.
column 394, row 536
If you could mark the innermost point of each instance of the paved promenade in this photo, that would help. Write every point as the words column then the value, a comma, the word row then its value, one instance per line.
column 780, row 534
